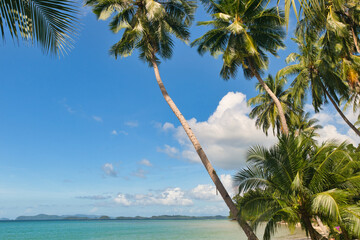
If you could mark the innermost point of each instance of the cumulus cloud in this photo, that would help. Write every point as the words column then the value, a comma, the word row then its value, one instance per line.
column 132, row 123
column 168, row 150
column 225, row 136
column 208, row 191
column 334, row 127
column 167, row 126
column 97, row 118
column 145, row 162
column 205, row 192
column 330, row 132
column 94, row 197
column 122, row 200
column 168, row 197
column 109, row 170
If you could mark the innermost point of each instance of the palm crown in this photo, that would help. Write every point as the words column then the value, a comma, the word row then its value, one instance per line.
column 265, row 111
column 296, row 180
column 242, row 31
column 49, row 23
column 148, row 25
column 313, row 71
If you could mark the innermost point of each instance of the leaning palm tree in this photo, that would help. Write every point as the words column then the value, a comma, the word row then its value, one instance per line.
column 314, row 72
column 296, row 181
column 148, row 26
column 49, row 23
column 266, row 112
column 243, row 31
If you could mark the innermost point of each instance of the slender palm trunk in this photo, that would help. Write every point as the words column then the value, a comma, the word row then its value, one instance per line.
column 355, row 40
column 340, row 112
column 284, row 126
column 314, row 235
column 219, row 186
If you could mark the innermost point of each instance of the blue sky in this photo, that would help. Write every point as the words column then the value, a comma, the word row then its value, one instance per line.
column 90, row 134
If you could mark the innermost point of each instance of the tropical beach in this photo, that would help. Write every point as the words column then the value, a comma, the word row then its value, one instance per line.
column 180, row 119
column 141, row 229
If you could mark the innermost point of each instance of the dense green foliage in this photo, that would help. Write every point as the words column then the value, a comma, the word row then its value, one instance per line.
column 298, row 180
column 51, row 24
column 148, row 25
column 265, row 110
column 243, row 32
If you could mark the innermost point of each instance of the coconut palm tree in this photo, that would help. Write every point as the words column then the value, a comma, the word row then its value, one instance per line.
column 148, row 26
column 336, row 18
column 243, row 31
column 315, row 73
column 265, row 110
column 51, row 24
column 302, row 124
column 297, row 181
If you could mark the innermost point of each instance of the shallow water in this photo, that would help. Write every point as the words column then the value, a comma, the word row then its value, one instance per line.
column 133, row 229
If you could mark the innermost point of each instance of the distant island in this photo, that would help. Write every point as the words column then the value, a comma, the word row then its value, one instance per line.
column 45, row 217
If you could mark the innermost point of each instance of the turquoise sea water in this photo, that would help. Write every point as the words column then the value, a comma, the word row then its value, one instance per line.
column 133, row 230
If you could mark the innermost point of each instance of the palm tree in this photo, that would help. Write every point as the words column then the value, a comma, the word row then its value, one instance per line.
column 313, row 71
column 296, row 181
column 339, row 23
column 51, row 24
column 336, row 18
column 265, row 110
column 148, row 26
column 302, row 124
column 242, row 31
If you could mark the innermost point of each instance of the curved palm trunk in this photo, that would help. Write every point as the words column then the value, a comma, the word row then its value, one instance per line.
column 284, row 125
column 314, row 235
column 340, row 112
column 219, row 186
column 355, row 40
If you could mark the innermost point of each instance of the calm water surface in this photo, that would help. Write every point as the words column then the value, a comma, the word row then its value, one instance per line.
column 135, row 229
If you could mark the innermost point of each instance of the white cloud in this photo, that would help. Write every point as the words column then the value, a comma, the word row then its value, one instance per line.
column 350, row 115
column 226, row 136
column 97, row 118
column 227, row 180
column 167, row 126
column 109, row 170
column 205, row 192
column 334, row 127
column 170, row 151
column 168, row 197
column 145, row 162
column 122, row 200
column 132, row 123
column 330, row 132
column 114, row 132
column 208, row 191
column 323, row 117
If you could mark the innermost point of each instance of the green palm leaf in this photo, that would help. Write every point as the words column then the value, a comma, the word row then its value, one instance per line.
column 50, row 23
